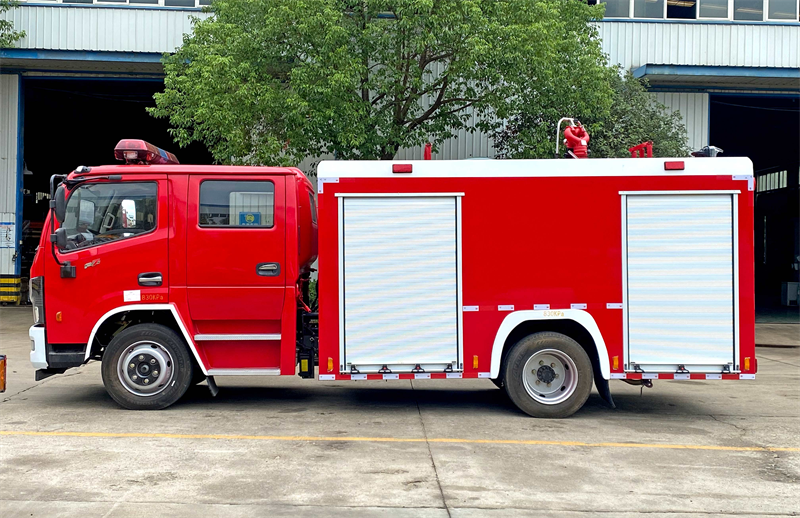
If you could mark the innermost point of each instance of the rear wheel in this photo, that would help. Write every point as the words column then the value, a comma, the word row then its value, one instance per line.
column 147, row 367
column 548, row 375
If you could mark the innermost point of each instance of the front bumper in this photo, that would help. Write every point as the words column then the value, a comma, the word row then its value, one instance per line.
column 38, row 347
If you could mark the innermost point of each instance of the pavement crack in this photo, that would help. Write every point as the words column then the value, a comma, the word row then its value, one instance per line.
column 8, row 398
column 739, row 428
column 430, row 453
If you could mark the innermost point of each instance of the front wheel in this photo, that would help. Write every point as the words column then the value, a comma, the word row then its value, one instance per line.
column 548, row 375
column 147, row 367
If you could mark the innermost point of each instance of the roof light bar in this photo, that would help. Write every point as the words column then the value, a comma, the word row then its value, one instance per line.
column 134, row 151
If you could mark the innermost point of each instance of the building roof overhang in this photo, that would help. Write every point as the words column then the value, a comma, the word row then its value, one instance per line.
column 24, row 60
column 699, row 76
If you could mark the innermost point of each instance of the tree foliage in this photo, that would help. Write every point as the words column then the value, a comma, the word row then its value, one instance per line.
column 8, row 36
column 634, row 116
column 273, row 81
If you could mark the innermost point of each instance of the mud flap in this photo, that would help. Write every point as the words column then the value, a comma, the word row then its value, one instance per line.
column 605, row 392
column 212, row 386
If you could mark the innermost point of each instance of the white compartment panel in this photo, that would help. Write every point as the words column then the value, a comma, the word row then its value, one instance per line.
column 680, row 279
column 400, row 280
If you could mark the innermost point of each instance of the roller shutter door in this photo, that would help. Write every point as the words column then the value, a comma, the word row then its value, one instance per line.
column 680, row 281
column 399, row 283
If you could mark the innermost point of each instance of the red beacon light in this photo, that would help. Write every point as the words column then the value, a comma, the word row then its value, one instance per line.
column 140, row 152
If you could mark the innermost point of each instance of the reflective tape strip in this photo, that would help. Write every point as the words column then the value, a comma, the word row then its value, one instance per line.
column 676, row 376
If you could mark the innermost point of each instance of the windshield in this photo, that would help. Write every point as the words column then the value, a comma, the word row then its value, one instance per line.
column 102, row 212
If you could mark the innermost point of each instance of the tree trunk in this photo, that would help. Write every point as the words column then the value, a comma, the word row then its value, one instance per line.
column 389, row 151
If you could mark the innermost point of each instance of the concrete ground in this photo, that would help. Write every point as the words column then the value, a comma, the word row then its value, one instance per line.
column 287, row 447
column 778, row 335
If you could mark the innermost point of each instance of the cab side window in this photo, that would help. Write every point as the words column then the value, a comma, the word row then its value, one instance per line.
column 313, row 207
column 103, row 212
column 234, row 203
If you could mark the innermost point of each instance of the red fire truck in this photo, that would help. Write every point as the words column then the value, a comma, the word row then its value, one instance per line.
column 543, row 276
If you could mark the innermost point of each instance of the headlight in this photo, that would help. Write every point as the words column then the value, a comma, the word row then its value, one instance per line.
column 37, row 300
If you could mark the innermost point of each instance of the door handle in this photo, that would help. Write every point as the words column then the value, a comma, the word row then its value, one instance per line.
column 268, row 269
column 150, row 279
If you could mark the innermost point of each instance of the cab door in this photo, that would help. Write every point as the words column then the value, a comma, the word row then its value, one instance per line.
column 236, row 262
column 117, row 233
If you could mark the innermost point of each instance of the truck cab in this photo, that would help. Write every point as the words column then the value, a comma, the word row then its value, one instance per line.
column 177, row 272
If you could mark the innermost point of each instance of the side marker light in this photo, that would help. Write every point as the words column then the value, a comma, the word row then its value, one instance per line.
column 475, row 362
column 330, row 364
column 59, row 316
column 674, row 166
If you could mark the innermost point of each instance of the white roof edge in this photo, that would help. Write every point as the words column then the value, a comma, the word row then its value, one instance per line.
column 593, row 167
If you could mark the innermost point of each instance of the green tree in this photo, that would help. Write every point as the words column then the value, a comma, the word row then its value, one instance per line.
column 634, row 117
column 273, row 81
column 8, row 36
column 637, row 117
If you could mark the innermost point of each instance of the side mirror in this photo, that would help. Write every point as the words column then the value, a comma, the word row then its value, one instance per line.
column 61, row 238
column 60, row 208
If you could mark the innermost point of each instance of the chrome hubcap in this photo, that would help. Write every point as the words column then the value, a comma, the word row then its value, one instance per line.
column 550, row 376
column 145, row 368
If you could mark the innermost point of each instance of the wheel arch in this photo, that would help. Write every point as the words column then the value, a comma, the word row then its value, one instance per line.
column 575, row 323
column 164, row 314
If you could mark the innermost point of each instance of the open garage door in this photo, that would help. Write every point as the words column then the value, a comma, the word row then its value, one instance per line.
column 72, row 121
column 766, row 128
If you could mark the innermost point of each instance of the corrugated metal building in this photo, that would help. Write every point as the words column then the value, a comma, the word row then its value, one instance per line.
column 730, row 67
column 69, row 90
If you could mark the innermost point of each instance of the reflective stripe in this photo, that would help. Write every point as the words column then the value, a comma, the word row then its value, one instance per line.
column 235, row 338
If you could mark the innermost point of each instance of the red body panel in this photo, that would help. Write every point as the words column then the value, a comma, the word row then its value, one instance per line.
column 533, row 240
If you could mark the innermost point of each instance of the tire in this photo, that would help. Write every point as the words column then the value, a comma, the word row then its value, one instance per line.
column 149, row 352
column 563, row 371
